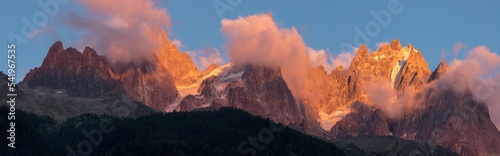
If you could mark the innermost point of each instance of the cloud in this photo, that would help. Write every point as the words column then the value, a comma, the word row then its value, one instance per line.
column 177, row 43
column 343, row 59
column 123, row 30
column 319, row 58
column 458, row 47
column 480, row 64
column 381, row 94
column 258, row 40
column 493, row 100
column 206, row 57
column 328, row 61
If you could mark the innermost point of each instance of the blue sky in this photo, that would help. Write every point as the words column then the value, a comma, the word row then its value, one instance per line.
column 431, row 26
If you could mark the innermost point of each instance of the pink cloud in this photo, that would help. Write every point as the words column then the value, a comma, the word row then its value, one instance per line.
column 328, row 61
column 177, row 43
column 123, row 30
column 258, row 40
column 343, row 59
column 206, row 57
column 319, row 58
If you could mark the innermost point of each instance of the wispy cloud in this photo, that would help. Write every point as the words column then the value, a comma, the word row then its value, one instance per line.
column 458, row 47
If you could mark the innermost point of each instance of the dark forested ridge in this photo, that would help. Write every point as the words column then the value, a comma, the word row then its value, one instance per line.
column 227, row 131
column 224, row 132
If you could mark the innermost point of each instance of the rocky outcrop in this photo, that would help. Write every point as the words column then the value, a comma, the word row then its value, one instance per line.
column 439, row 71
column 80, row 74
column 414, row 73
column 88, row 74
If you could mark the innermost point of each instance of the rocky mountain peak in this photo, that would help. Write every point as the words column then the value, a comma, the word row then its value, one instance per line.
column 362, row 51
column 361, row 57
column 69, row 70
column 178, row 63
column 439, row 71
column 395, row 44
column 89, row 52
column 56, row 47
column 210, row 69
column 414, row 72
column 88, row 74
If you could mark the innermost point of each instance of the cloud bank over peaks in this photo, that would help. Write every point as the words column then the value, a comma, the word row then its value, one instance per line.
column 123, row 30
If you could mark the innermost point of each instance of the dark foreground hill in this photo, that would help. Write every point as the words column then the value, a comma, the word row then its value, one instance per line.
column 227, row 131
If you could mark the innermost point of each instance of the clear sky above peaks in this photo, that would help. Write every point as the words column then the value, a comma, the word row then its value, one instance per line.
column 434, row 27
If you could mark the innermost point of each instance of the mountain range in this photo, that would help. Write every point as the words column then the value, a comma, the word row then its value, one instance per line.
column 387, row 92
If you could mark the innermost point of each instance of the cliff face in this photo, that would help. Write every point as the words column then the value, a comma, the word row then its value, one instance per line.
column 258, row 90
column 146, row 82
column 178, row 63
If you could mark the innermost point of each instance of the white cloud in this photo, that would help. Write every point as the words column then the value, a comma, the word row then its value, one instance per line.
column 177, row 43
column 205, row 57
column 319, row 58
column 328, row 61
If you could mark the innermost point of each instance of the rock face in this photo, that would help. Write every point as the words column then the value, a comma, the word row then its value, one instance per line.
column 260, row 91
column 146, row 82
column 80, row 74
column 439, row 71
column 89, row 75
column 179, row 64
column 266, row 89
column 456, row 122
